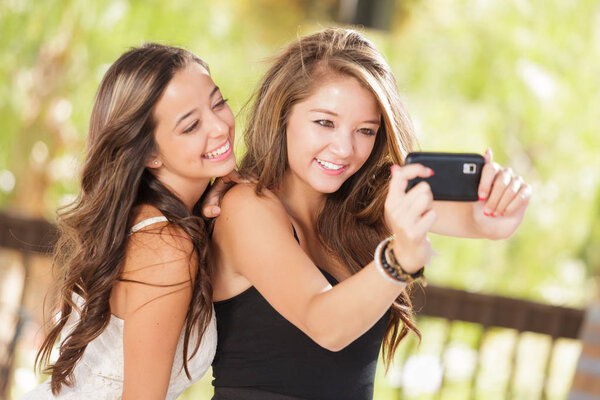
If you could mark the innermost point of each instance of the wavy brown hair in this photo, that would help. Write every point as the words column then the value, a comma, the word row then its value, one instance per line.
column 351, row 224
column 114, row 180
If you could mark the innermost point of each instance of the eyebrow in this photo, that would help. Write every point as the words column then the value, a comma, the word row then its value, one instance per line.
column 324, row 111
column 187, row 114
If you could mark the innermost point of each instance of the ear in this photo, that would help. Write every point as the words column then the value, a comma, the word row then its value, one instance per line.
column 154, row 163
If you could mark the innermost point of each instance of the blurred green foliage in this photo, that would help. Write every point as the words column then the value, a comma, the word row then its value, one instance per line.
column 519, row 76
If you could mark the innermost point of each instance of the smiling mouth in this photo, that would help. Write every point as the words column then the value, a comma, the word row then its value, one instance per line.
column 329, row 166
column 218, row 152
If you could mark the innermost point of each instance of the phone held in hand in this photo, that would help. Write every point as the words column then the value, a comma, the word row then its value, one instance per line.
column 456, row 175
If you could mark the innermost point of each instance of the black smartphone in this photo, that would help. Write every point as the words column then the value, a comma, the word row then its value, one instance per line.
column 456, row 177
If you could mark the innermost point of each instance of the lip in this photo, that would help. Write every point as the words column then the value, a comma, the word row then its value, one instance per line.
column 329, row 171
column 222, row 156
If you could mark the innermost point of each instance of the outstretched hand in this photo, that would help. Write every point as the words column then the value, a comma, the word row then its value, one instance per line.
column 210, row 206
column 503, row 199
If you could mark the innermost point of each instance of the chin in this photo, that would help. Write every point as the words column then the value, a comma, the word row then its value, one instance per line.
column 223, row 171
column 326, row 188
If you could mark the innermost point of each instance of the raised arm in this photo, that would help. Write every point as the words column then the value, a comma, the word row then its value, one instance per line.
column 253, row 236
column 157, row 288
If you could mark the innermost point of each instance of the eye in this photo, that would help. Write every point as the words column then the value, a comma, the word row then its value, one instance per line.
column 367, row 131
column 221, row 103
column 191, row 128
column 324, row 123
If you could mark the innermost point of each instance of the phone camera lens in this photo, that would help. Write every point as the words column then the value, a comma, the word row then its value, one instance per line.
column 469, row 168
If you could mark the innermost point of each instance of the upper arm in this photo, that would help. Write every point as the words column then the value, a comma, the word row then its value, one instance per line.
column 157, row 281
column 253, row 237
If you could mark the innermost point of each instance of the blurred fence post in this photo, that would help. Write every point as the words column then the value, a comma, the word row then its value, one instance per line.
column 586, row 383
column 20, row 239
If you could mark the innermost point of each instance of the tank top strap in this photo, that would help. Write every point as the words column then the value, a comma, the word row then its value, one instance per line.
column 295, row 234
column 146, row 222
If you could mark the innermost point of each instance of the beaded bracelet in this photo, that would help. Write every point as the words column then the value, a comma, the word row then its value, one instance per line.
column 389, row 266
column 379, row 256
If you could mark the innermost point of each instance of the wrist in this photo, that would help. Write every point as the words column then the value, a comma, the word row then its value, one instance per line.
column 395, row 250
column 387, row 263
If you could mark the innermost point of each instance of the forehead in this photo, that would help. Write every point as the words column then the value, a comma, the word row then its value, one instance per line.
column 189, row 86
column 341, row 93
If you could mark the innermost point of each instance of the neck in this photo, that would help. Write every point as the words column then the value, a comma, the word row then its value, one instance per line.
column 189, row 192
column 302, row 202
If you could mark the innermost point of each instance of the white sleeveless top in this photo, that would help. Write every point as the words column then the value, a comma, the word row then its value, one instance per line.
column 99, row 372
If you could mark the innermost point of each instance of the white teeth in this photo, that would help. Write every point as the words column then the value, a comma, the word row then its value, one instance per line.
column 217, row 152
column 329, row 165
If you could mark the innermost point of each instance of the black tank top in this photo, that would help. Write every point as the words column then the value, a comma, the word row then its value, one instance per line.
column 259, row 351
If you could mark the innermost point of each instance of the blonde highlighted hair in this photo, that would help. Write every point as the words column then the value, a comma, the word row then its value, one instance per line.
column 94, row 228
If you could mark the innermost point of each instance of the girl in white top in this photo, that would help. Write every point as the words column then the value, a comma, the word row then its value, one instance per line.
column 135, row 318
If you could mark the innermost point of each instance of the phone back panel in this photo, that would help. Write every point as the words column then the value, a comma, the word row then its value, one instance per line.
column 457, row 175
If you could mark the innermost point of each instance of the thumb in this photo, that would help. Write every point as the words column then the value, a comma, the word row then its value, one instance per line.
column 402, row 175
column 398, row 183
column 488, row 155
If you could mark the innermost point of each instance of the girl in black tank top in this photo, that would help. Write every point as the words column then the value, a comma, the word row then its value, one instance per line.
column 279, row 358
column 325, row 142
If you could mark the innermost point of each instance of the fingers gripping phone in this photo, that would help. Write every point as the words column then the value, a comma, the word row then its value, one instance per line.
column 456, row 177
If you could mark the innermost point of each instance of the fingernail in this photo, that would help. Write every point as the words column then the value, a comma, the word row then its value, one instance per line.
column 487, row 213
column 481, row 196
column 431, row 172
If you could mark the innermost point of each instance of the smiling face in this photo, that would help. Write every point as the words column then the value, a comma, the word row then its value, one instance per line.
column 331, row 133
column 194, row 131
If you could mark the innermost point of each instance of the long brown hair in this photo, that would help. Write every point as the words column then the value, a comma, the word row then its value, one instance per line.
column 351, row 224
column 94, row 228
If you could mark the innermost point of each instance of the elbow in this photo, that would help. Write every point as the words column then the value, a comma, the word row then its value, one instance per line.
column 331, row 345
column 331, row 341
column 335, row 347
column 332, row 331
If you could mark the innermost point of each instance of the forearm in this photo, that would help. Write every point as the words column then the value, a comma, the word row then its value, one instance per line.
column 455, row 219
column 337, row 317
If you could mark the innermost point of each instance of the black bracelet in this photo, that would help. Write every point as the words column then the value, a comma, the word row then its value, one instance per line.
column 391, row 265
column 387, row 271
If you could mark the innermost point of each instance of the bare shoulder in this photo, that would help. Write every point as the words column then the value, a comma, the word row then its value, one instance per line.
column 144, row 212
column 242, row 203
column 161, row 234
column 247, row 216
column 159, row 253
column 246, row 193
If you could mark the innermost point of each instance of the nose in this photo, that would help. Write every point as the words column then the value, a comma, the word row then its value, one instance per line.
column 217, row 126
column 342, row 144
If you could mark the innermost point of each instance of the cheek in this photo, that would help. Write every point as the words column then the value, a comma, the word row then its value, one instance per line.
column 364, row 149
column 308, row 141
column 190, row 149
column 230, row 120
column 295, row 143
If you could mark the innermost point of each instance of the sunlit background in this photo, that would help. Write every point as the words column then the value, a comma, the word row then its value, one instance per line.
column 519, row 76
